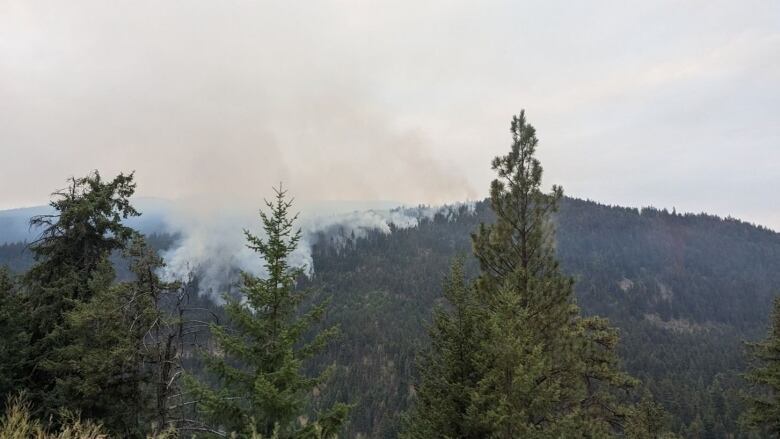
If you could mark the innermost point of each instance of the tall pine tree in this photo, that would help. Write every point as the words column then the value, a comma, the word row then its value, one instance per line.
column 259, row 361
column 547, row 370
column 539, row 369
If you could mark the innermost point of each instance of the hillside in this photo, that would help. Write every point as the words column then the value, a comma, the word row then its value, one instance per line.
column 685, row 290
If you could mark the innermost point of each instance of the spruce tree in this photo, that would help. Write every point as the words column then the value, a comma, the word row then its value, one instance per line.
column 259, row 361
column 70, row 269
column 448, row 369
column 99, row 370
column 107, row 369
column 763, row 403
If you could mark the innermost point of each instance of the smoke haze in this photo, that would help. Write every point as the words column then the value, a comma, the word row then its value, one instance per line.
column 213, row 102
column 209, row 102
column 212, row 247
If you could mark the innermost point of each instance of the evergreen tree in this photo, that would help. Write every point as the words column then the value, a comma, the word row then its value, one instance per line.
column 107, row 369
column 763, row 404
column 547, row 370
column 449, row 368
column 70, row 269
column 536, row 368
column 258, row 364
column 99, row 370
column 648, row 420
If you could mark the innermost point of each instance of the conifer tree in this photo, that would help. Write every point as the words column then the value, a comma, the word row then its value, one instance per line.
column 548, row 371
column 536, row 367
column 449, row 368
column 763, row 404
column 259, row 362
column 107, row 368
column 70, row 262
column 648, row 420
column 99, row 370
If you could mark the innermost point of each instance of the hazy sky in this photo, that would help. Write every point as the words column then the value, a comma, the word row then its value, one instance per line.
column 665, row 103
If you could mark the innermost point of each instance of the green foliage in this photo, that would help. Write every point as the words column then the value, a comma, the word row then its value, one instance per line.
column 685, row 291
column 102, row 348
column 88, row 333
column 449, row 369
column 763, row 405
column 548, row 372
column 263, row 390
column 535, row 368
column 13, row 335
column 70, row 270
column 99, row 370
column 86, row 229
column 709, row 279
column 648, row 420
column 107, row 370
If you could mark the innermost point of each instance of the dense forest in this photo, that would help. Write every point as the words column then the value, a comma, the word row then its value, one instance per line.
column 653, row 306
column 685, row 291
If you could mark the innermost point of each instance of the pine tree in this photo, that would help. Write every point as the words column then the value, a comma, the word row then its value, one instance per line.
column 763, row 404
column 70, row 269
column 258, row 363
column 548, row 371
column 449, row 368
column 536, row 368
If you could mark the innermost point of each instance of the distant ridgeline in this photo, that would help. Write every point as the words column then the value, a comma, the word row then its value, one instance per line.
column 15, row 223
column 685, row 291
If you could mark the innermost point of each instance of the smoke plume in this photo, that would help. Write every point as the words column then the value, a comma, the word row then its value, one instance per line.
column 214, row 248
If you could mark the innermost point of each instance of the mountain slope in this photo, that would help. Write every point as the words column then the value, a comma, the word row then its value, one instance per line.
column 685, row 290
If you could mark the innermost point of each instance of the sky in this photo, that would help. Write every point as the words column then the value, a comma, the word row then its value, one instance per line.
column 664, row 103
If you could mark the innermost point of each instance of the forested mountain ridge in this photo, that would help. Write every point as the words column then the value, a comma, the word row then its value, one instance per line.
column 696, row 267
column 685, row 290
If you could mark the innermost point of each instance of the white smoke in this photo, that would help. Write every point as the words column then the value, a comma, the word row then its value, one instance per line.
column 213, row 248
